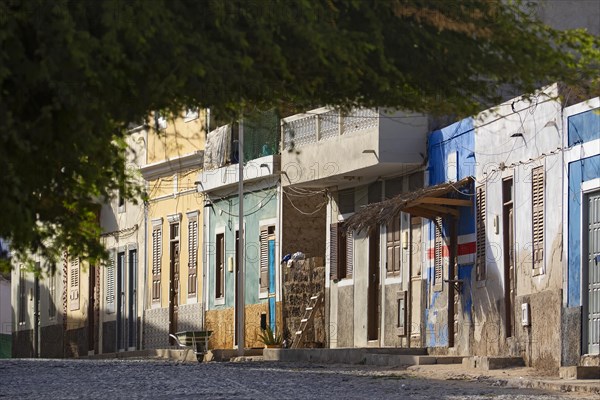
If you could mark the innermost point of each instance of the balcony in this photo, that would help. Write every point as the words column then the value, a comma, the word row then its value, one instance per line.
column 325, row 148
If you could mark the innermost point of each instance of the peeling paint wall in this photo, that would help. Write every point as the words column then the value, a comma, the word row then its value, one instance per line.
column 510, row 141
column 452, row 156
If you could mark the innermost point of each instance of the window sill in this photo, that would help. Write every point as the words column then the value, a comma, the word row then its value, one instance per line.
column 263, row 295
column 538, row 271
column 438, row 287
column 220, row 301
column 345, row 282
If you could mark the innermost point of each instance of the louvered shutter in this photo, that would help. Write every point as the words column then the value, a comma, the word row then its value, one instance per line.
column 393, row 247
column 193, row 257
column 349, row 254
column 110, row 284
column 264, row 259
column 537, row 196
column 480, row 206
column 438, row 266
column 74, row 284
column 333, row 251
column 156, row 261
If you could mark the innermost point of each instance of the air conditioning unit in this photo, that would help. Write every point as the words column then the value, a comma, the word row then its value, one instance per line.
column 525, row 321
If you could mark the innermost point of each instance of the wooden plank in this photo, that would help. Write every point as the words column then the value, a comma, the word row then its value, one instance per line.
column 431, row 211
column 445, row 201
column 421, row 212
column 441, row 210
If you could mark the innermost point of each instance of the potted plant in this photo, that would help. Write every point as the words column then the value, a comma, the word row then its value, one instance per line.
column 270, row 339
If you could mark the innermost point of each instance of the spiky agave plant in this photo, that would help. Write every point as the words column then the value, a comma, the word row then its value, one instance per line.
column 269, row 338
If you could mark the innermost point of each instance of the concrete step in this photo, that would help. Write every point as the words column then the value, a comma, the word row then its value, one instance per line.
column 228, row 354
column 337, row 355
column 392, row 360
column 590, row 360
column 487, row 363
column 412, row 351
column 580, row 372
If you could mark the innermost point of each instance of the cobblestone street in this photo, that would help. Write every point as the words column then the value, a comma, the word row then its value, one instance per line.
column 149, row 379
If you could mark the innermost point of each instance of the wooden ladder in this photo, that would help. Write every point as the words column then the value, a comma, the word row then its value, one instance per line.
column 309, row 314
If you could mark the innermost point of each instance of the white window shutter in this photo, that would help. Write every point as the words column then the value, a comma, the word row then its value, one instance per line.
column 74, row 284
column 110, row 284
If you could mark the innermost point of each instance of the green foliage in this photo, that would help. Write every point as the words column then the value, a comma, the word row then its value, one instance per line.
column 269, row 338
column 73, row 74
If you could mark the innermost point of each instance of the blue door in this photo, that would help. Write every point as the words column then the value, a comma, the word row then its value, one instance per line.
column 272, row 282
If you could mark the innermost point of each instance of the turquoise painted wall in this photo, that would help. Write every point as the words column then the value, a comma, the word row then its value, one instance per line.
column 258, row 206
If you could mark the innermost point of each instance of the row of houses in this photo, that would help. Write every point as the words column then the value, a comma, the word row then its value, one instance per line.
column 480, row 237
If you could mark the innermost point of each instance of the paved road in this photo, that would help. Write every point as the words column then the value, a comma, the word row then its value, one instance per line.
column 149, row 379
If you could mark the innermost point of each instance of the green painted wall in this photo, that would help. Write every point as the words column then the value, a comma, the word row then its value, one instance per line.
column 258, row 206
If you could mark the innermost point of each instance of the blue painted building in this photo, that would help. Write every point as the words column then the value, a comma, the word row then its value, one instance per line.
column 448, row 310
column 221, row 254
column 582, row 237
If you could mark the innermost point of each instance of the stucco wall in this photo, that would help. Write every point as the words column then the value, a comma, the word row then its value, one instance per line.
column 221, row 323
column 260, row 208
column 181, row 205
column 179, row 138
column 510, row 141
column 303, row 218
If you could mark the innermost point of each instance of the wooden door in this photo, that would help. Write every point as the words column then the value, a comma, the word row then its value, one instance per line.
column 132, row 300
column 121, row 316
column 36, row 317
column 373, row 288
column 91, row 334
column 508, row 252
column 174, row 286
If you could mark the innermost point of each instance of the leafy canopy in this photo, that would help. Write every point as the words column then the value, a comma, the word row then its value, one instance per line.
column 74, row 73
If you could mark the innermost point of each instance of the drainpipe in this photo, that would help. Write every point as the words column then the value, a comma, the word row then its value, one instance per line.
column 144, row 288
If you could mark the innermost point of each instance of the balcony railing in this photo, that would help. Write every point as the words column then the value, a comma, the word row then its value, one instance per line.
column 326, row 123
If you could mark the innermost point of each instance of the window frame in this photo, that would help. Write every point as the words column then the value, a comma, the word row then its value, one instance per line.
column 219, row 268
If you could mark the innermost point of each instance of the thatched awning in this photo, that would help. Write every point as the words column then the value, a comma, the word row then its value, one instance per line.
column 430, row 202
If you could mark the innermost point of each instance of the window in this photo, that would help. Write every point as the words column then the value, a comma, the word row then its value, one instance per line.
column 74, row 284
column 346, row 201
column 22, row 296
column 220, row 266
column 110, row 284
column 121, row 203
column 438, row 265
column 341, row 255
column 193, row 256
column 393, row 187
column 374, row 192
column 480, row 266
column 537, row 202
column 264, row 259
column 52, row 295
column 190, row 115
column 393, row 247
column 415, row 181
column 349, row 254
column 156, row 262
